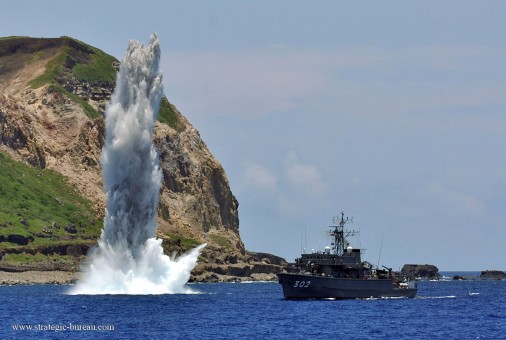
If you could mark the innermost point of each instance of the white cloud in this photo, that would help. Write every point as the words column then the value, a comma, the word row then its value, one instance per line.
column 306, row 178
column 454, row 201
column 243, row 83
column 260, row 178
column 400, row 84
column 288, row 186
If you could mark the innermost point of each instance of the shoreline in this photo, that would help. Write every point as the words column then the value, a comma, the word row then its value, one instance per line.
column 60, row 277
column 34, row 277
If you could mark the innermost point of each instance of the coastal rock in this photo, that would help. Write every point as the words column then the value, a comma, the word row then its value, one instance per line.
column 424, row 271
column 74, row 250
column 37, row 277
column 71, row 228
column 267, row 258
column 19, row 239
column 459, row 278
column 493, row 274
column 235, row 272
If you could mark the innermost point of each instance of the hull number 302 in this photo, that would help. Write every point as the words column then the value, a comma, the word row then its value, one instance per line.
column 301, row 284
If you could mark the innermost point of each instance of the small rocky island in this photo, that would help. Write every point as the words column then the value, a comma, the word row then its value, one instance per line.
column 484, row 275
column 423, row 271
column 493, row 274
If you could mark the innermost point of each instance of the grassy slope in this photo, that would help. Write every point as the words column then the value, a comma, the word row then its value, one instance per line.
column 95, row 67
column 44, row 199
column 13, row 37
column 98, row 69
column 168, row 115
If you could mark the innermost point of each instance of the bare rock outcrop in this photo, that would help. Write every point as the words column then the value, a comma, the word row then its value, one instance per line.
column 424, row 271
column 493, row 274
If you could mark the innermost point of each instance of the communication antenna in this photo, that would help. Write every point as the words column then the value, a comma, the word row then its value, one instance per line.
column 301, row 239
column 381, row 247
column 305, row 238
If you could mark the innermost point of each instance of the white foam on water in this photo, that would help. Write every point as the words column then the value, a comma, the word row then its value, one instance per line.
column 437, row 297
column 129, row 259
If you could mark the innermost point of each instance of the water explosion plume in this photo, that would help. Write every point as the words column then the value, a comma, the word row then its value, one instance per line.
column 129, row 259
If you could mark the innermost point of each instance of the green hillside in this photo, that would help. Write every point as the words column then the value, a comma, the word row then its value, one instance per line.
column 79, row 61
column 40, row 207
column 74, row 59
column 84, row 62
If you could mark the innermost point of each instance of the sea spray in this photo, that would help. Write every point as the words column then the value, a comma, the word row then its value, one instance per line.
column 129, row 259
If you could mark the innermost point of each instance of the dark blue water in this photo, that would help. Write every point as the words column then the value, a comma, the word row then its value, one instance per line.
column 442, row 310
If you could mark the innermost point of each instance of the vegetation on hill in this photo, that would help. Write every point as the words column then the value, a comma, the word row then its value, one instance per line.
column 81, row 61
column 75, row 60
column 84, row 63
column 39, row 206
column 168, row 115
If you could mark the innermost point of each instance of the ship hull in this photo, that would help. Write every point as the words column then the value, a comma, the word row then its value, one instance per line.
column 303, row 286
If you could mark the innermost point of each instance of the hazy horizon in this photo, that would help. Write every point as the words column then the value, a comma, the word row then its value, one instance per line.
column 391, row 112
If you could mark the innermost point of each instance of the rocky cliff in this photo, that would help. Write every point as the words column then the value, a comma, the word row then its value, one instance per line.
column 53, row 94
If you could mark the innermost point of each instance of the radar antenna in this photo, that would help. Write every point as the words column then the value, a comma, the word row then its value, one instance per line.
column 339, row 234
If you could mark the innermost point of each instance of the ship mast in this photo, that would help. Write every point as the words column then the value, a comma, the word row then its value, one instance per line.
column 340, row 243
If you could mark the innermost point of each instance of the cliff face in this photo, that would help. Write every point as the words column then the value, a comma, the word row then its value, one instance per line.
column 53, row 94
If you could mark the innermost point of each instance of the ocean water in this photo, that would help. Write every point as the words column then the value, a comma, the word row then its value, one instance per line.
column 442, row 310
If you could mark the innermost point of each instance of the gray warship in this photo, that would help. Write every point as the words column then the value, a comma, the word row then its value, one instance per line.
column 338, row 272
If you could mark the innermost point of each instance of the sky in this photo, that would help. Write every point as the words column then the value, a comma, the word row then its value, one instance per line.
column 391, row 111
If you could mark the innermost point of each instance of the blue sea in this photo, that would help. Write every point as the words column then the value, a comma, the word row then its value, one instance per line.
column 445, row 309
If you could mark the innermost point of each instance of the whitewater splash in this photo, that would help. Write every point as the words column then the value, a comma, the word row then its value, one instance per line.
column 129, row 259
